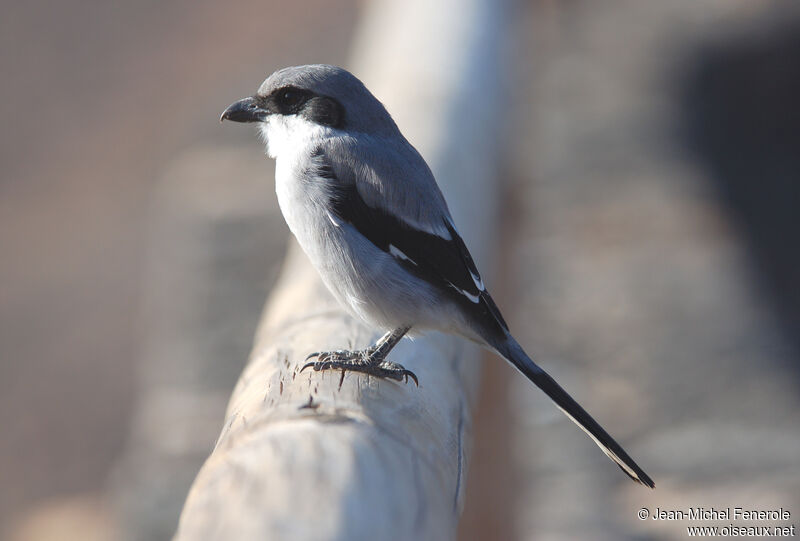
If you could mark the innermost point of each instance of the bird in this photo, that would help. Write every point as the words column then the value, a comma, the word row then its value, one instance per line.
column 367, row 211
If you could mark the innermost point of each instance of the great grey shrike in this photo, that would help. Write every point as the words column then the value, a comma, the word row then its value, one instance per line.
column 366, row 210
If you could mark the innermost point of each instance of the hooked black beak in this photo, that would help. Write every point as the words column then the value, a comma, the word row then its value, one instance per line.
column 246, row 110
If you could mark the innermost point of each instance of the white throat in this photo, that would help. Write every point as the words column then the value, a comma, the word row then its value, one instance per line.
column 288, row 136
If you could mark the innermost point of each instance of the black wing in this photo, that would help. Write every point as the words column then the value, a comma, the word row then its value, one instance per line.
column 443, row 262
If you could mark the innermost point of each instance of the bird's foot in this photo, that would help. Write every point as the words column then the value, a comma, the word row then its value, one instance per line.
column 366, row 361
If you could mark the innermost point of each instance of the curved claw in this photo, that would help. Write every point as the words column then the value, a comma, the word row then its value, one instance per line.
column 315, row 354
column 306, row 366
column 409, row 374
column 316, row 365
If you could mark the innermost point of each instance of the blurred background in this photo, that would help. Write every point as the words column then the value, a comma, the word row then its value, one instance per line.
column 649, row 258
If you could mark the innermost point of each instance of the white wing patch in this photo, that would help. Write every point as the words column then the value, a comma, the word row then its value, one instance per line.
column 473, row 298
column 395, row 251
column 478, row 282
column 334, row 220
column 475, row 276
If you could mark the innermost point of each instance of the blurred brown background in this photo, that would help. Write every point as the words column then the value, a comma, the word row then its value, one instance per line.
column 100, row 99
column 651, row 230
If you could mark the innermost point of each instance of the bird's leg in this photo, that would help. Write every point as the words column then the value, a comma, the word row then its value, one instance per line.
column 371, row 360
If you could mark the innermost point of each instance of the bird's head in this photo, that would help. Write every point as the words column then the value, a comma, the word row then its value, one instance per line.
column 309, row 97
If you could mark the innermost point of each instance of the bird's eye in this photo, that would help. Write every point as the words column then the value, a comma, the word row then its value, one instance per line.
column 290, row 97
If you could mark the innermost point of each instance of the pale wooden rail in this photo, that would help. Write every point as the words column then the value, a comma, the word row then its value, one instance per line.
column 300, row 458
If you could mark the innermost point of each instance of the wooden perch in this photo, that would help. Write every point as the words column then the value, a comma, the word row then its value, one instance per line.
column 307, row 456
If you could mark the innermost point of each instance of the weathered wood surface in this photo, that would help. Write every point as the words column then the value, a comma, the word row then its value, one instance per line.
column 303, row 457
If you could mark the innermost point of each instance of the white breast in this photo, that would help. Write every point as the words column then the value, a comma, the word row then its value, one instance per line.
column 291, row 140
column 303, row 199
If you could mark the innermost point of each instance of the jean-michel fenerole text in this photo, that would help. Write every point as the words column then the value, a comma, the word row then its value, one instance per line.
column 722, row 513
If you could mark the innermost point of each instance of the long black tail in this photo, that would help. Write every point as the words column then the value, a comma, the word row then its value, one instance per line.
column 514, row 354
